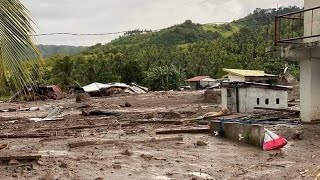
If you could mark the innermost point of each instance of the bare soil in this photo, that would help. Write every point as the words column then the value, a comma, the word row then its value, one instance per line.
column 219, row 159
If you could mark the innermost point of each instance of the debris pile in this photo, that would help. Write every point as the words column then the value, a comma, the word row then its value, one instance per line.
column 212, row 96
column 99, row 89
column 37, row 92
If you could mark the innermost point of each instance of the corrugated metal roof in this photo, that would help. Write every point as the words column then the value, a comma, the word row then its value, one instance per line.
column 197, row 78
column 248, row 84
column 252, row 73
column 208, row 80
column 95, row 87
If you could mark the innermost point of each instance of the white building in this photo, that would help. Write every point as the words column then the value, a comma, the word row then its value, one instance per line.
column 241, row 75
column 243, row 97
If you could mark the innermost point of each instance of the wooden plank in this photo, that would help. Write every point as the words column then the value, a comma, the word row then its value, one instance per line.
column 280, row 110
column 75, row 127
column 184, row 131
column 20, row 157
column 177, row 122
column 83, row 143
column 41, row 135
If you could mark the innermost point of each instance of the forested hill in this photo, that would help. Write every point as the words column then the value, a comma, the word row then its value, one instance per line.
column 185, row 33
column 51, row 50
column 162, row 60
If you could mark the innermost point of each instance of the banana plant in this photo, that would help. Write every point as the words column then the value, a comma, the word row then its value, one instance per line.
column 17, row 45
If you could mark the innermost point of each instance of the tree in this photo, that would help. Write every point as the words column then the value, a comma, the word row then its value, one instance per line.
column 16, row 44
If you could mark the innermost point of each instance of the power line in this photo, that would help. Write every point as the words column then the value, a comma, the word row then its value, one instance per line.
column 122, row 32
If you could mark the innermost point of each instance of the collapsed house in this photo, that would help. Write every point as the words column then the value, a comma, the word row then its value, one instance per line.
column 245, row 97
column 201, row 82
column 38, row 92
column 99, row 89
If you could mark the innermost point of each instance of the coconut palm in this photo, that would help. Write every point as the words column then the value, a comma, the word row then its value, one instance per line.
column 17, row 46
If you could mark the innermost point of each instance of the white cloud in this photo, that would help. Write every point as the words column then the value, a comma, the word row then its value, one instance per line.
column 99, row 16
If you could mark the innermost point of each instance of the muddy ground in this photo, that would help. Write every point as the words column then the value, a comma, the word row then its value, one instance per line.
column 128, row 158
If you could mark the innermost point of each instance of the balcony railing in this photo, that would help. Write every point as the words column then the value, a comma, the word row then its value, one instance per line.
column 290, row 28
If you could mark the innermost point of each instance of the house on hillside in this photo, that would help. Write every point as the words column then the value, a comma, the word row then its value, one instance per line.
column 245, row 97
column 201, row 82
column 240, row 75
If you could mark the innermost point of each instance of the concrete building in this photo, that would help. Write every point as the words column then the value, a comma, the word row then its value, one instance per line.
column 243, row 97
column 306, row 50
column 240, row 75
column 201, row 82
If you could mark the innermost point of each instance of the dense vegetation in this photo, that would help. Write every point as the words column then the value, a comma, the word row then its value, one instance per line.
column 162, row 60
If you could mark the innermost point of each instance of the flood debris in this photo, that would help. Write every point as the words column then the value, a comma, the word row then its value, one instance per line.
column 200, row 175
column 201, row 143
column 127, row 152
column 125, row 105
column 221, row 113
column 99, row 89
column 4, row 146
column 20, row 157
column 184, row 131
column 38, row 92
column 99, row 113
column 29, row 135
column 92, row 142
column 54, row 115
column 82, row 98
column 297, row 135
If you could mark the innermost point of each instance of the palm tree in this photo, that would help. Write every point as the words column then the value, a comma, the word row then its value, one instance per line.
column 16, row 44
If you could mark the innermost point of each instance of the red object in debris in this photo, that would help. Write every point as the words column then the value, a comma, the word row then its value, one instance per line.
column 272, row 141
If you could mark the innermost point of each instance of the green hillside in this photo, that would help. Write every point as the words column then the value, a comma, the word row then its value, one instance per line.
column 162, row 60
column 52, row 50
column 184, row 33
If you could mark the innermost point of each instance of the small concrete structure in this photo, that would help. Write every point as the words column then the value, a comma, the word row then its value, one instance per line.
column 250, row 134
column 201, row 82
column 243, row 97
column 241, row 75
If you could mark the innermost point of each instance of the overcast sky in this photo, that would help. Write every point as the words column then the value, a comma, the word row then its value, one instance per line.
column 103, row 16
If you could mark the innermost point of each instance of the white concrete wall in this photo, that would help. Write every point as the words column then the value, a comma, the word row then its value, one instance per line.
column 235, row 78
column 208, row 83
column 248, row 98
column 311, row 26
column 224, row 98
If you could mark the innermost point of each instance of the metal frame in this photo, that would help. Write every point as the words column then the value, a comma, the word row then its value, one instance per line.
column 293, row 40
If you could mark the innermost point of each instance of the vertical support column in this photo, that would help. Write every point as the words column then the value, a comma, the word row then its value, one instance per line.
column 310, row 89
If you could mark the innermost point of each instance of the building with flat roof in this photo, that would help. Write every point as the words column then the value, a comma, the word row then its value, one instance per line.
column 244, row 97
column 241, row 75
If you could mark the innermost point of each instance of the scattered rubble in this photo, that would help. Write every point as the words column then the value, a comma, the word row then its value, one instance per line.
column 201, row 143
column 82, row 98
column 88, row 138
column 99, row 89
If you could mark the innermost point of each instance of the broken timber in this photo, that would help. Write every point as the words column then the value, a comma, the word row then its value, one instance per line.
column 76, row 127
column 184, row 131
column 41, row 135
column 105, row 141
column 280, row 110
column 20, row 157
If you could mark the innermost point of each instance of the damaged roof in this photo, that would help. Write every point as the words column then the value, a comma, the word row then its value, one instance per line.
column 197, row 78
column 248, row 73
column 132, row 88
column 253, row 84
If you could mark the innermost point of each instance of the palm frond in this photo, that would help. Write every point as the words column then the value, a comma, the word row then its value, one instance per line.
column 16, row 43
